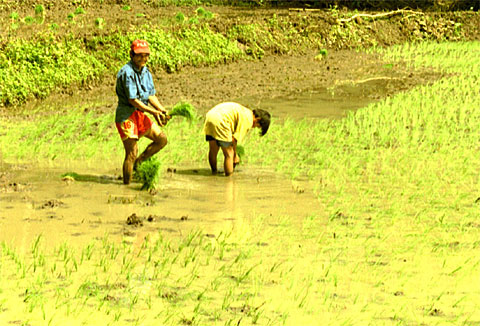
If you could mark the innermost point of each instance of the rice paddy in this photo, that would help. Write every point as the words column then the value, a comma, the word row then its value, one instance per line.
column 394, row 240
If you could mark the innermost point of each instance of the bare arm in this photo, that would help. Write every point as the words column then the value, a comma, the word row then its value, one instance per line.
column 153, row 100
column 236, row 158
column 157, row 113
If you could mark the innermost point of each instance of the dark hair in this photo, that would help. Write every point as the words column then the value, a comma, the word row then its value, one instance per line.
column 264, row 119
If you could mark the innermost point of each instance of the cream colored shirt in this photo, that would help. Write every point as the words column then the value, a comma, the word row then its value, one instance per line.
column 227, row 120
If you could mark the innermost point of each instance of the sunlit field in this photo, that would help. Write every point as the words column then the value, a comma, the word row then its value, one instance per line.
column 394, row 243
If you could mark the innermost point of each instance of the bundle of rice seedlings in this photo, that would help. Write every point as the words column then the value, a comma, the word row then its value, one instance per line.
column 183, row 109
column 240, row 151
column 148, row 173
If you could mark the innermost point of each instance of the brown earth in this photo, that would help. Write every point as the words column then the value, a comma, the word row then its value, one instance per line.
column 280, row 73
column 39, row 201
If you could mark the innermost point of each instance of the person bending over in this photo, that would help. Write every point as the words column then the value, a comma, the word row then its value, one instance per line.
column 225, row 125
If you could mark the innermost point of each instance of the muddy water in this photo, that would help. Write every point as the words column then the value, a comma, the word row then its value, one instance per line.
column 97, row 204
column 188, row 199
column 331, row 103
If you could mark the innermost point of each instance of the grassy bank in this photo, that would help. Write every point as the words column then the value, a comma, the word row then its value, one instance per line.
column 44, row 50
column 396, row 244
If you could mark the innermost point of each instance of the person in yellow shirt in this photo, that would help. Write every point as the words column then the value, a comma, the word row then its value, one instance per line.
column 225, row 125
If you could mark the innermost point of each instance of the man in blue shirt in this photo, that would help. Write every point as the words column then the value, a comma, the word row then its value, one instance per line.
column 135, row 91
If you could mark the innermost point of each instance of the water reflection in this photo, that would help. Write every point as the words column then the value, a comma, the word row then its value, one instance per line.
column 188, row 199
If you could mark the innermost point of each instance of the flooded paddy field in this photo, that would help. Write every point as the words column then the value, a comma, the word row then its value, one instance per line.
column 364, row 213
column 95, row 205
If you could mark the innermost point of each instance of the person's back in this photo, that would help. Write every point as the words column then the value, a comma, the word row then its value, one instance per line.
column 228, row 120
column 225, row 125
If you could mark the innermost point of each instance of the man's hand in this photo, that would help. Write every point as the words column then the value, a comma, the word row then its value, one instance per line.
column 166, row 118
column 159, row 117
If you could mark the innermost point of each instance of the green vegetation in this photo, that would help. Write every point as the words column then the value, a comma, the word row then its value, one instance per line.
column 395, row 240
column 14, row 16
column 39, row 10
column 79, row 11
column 241, row 151
column 184, row 109
column 148, row 173
column 100, row 22
column 29, row 20
column 178, row 42
column 37, row 67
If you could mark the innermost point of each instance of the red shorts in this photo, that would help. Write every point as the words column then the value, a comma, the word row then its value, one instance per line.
column 135, row 126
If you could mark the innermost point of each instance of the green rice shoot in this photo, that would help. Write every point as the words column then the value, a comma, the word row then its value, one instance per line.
column 184, row 109
column 240, row 151
column 148, row 173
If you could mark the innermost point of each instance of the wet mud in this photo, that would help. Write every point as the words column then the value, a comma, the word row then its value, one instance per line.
column 78, row 212
column 94, row 204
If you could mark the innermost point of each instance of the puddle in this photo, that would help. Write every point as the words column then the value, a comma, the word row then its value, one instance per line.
column 332, row 103
column 189, row 199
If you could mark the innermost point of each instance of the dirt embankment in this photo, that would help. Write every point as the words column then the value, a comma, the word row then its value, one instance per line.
column 283, row 69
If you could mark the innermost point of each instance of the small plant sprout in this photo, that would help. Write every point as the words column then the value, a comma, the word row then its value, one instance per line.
column 180, row 18
column 240, row 151
column 79, row 11
column 39, row 14
column 29, row 20
column 14, row 16
column 203, row 13
column 126, row 8
column 322, row 54
column 100, row 23
column 193, row 21
column 71, row 17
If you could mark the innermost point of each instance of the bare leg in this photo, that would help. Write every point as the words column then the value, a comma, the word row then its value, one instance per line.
column 212, row 155
column 131, row 151
column 236, row 159
column 159, row 141
column 229, row 154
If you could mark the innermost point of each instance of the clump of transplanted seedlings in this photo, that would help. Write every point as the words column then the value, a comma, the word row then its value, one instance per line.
column 183, row 109
column 148, row 173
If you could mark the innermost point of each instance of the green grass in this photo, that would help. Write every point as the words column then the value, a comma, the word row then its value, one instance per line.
column 52, row 56
column 394, row 242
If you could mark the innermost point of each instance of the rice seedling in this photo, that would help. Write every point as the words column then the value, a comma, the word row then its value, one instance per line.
column 241, row 151
column 79, row 11
column 100, row 23
column 184, row 109
column 203, row 13
column 39, row 10
column 29, row 20
column 148, row 173
column 14, row 16
column 71, row 17
column 397, row 221
column 39, row 14
column 180, row 18
column 322, row 54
